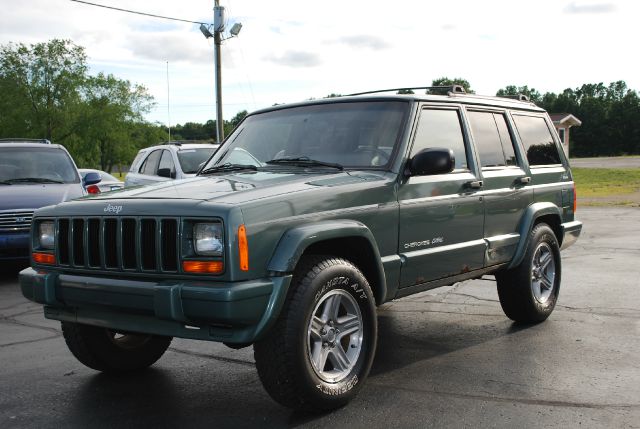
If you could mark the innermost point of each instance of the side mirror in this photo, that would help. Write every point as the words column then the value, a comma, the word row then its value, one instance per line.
column 166, row 172
column 433, row 160
column 91, row 179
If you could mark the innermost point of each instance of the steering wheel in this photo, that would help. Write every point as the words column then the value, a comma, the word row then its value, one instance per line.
column 377, row 151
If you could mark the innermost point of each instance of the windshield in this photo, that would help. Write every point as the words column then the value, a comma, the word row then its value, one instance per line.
column 190, row 159
column 33, row 165
column 348, row 134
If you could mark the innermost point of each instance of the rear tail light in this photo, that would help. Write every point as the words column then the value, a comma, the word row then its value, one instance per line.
column 93, row 189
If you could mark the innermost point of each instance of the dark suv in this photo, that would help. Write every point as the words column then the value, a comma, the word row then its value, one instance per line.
column 308, row 217
column 33, row 174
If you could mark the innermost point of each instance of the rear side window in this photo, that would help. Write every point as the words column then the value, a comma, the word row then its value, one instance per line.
column 136, row 162
column 151, row 163
column 441, row 128
column 537, row 140
column 492, row 138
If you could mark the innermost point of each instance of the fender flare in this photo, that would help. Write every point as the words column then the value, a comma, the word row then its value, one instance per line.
column 295, row 241
column 528, row 219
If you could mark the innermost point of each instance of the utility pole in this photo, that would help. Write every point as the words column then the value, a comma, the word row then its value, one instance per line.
column 218, row 27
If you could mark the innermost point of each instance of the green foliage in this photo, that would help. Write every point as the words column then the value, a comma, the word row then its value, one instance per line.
column 532, row 93
column 445, row 81
column 48, row 93
column 610, row 118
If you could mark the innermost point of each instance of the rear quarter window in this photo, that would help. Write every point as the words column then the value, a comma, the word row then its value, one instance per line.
column 537, row 140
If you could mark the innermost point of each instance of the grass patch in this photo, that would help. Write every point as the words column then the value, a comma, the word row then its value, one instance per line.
column 119, row 176
column 606, row 182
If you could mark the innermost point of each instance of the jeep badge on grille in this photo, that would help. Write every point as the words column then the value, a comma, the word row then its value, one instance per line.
column 112, row 209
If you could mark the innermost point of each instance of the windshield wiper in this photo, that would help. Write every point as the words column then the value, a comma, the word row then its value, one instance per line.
column 304, row 161
column 228, row 167
column 33, row 180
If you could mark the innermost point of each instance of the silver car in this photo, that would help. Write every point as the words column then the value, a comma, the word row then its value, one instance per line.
column 170, row 161
column 108, row 182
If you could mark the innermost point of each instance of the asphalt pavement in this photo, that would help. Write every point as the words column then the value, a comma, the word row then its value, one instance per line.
column 446, row 358
column 606, row 162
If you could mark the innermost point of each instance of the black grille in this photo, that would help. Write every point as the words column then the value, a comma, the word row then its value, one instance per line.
column 128, row 244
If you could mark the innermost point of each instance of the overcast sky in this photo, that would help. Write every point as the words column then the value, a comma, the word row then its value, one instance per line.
column 291, row 50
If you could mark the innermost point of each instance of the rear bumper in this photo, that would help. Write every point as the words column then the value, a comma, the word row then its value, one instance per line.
column 571, row 232
column 237, row 312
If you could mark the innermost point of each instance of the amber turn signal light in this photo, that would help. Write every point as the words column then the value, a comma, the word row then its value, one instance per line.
column 203, row 267
column 44, row 258
column 243, row 248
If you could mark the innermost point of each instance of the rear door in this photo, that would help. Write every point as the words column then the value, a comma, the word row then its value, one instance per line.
column 506, row 183
column 441, row 216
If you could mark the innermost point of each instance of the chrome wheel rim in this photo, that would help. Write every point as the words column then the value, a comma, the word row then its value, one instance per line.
column 543, row 273
column 334, row 336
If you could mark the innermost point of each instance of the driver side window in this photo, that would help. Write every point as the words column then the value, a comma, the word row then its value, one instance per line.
column 441, row 128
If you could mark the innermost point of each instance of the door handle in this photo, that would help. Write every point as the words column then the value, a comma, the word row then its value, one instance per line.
column 523, row 180
column 474, row 184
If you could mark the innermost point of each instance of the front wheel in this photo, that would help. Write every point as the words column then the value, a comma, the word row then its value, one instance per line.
column 110, row 351
column 321, row 349
column 528, row 293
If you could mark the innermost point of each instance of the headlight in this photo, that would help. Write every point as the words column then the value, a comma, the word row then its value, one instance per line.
column 208, row 239
column 46, row 238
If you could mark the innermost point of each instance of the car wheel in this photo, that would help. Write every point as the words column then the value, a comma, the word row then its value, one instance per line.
column 111, row 351
column 321, row 349
column 528, row 293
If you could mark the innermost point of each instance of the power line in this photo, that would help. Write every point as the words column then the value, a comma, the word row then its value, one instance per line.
column 139, row 13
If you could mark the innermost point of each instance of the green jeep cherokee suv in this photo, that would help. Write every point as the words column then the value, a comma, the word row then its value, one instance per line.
column 308, row 217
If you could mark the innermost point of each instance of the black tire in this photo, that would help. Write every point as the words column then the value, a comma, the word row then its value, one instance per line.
column 108, row 351
column 528, row 293
column 284, row 356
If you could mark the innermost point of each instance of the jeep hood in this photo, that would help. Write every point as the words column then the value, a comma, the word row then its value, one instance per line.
column 238, row 187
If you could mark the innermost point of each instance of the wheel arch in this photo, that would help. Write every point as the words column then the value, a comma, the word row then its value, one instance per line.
column 542, row 212
column 347, row 239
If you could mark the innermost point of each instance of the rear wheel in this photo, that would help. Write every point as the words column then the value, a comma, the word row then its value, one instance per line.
column 322, row 347
column 528, row 292
column 112, row 351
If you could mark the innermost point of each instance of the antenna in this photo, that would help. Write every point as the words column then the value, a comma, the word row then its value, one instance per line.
column 168, row 104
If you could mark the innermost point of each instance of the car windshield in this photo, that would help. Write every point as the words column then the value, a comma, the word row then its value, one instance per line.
column 191, row 159
column 332, row 135
column 36, row 165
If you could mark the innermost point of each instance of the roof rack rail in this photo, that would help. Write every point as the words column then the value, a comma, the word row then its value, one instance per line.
column 519, row 97
column 447, row 89
column 21, row 140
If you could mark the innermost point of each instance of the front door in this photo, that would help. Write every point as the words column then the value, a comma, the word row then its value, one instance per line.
column 441, row 216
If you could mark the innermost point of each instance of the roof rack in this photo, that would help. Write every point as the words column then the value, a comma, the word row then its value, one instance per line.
column 21, row 140
column 519, row 97
column 447, row 89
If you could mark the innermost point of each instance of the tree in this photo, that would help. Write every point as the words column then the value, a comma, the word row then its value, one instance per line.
column 532, row 93
column 48, row 93
column 41, row 88
column 445, row 81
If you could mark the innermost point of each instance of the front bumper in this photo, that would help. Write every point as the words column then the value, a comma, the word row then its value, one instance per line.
column 236, row 313
column 14, row 246
column 571, row 232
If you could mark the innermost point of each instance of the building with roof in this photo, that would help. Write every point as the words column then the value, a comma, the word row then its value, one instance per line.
column 563, row 122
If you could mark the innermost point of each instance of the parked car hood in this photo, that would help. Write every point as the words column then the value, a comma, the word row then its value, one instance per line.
column 33, row 196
